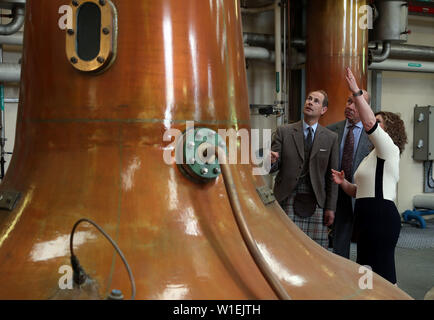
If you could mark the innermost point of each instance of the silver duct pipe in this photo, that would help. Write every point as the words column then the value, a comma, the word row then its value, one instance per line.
column 15, row 39
column 384, row 53
column 397, row 51
column 267, row 40
column 11, row 100
column 408, row 52
column 260, row 40
column 16, row 23
column 403, row 65
column 10, row 72
column 259, row 53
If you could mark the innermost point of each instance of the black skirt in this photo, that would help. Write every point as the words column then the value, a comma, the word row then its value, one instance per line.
column 379, row 224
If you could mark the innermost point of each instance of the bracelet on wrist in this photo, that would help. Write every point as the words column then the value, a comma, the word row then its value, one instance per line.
column 358, row 93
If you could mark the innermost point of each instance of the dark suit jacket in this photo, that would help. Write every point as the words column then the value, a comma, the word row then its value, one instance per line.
column 363, row 148
column 289, row 143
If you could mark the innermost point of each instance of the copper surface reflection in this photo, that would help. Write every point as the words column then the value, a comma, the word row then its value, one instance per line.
column 283, row 273
column 172, row 190
column 194, row 63
column 59, row 247
column 174, row 292
column 168, row 63
column 190, row 222
column 128, row 174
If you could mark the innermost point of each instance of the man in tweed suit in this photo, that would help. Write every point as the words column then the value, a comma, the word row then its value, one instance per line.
column 304, row 153
column 354, row 145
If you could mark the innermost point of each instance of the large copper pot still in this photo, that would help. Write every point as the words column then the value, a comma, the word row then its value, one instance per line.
column 89, row 144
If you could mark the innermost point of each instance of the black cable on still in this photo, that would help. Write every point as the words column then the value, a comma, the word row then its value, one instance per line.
column 79, row 274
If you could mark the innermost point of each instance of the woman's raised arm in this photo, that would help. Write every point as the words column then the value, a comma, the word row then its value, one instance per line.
column 366, row 114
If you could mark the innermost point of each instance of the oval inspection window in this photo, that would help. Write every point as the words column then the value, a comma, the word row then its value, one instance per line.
column 88, row 31
column 91, row 43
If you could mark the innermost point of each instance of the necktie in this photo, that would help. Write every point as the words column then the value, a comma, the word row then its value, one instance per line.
column 309, row 138
column 347, row 154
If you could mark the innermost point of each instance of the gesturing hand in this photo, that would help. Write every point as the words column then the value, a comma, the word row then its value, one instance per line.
column 351, row 81
column 338, row 177
column 274, row 156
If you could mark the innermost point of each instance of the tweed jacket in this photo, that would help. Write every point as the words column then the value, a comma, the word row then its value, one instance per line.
column 363, row 148
column 289, row 143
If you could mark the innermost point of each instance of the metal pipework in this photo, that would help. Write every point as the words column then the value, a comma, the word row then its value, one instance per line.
column 257, row 10
column 404, row 65
column 15, row 39
column 9, row 4
column 407, row 52
column 384, row 53
column 278, row 54
column 11, row 100
column 10, row 72
column 16, row 23
column 256, row 39
column 259, row 53
column 392, row 21
column 267, row 40
column 298, row 58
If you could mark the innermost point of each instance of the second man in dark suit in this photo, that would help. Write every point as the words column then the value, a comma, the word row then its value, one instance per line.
column 354, row 146
column 304, row 153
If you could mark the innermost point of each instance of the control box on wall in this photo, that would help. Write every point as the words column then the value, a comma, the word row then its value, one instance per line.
column 423, row 141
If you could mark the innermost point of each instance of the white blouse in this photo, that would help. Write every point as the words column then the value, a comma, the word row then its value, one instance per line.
column 378, row 174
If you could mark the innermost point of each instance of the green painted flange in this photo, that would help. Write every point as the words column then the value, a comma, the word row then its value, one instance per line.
column 199, row 154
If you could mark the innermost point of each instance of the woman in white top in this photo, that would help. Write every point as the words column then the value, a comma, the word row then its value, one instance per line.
column 374, row 188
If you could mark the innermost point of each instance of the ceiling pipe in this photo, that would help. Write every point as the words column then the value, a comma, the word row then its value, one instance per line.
column 408, row 52
column 10, row 72
column 16, row 23
column 385, row 52
column 15, row 39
